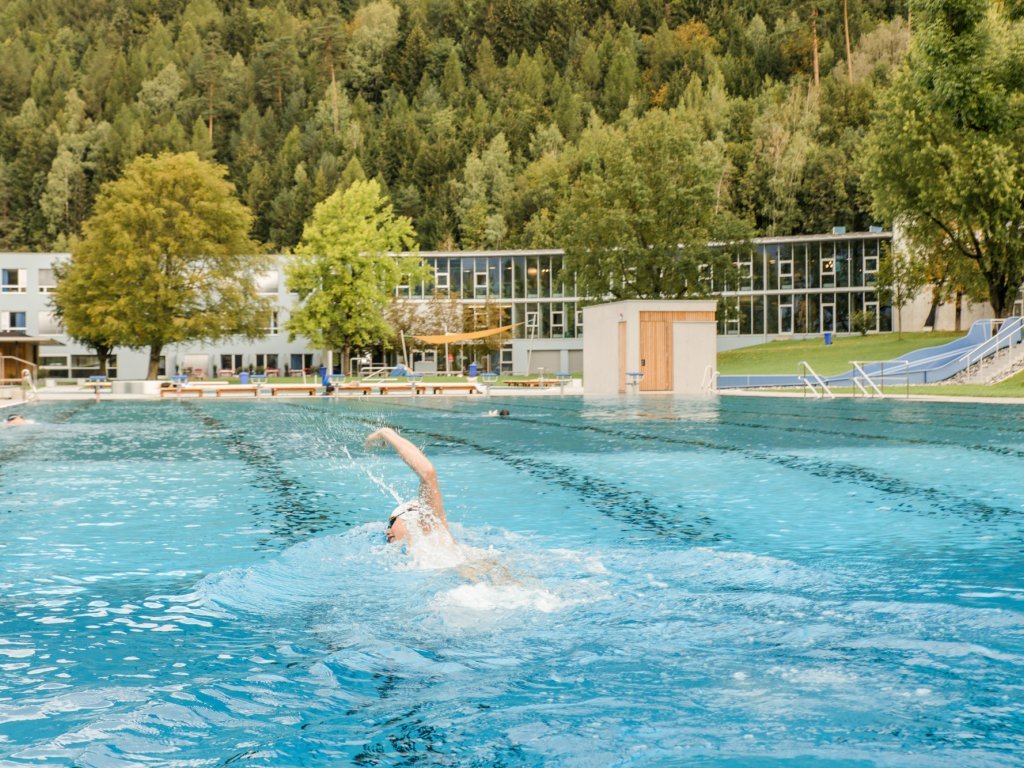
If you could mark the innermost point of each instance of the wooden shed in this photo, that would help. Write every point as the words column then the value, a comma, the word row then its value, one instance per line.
column 19, row 351
column 648, row 346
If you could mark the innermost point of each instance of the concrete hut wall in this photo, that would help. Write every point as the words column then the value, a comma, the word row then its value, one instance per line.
column 678, row 337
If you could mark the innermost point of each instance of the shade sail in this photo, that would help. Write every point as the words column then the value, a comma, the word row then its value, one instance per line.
column 452, row 338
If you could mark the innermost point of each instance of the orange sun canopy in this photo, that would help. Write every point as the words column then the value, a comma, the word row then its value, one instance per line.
column 452, row 338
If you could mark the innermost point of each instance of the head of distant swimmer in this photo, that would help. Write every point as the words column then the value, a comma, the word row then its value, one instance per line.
column 503, row 412
column 15, row 419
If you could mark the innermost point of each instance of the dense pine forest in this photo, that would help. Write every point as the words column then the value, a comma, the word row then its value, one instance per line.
column 469, row 113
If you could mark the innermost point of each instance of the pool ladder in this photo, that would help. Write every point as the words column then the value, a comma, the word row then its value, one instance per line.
column 814, row 381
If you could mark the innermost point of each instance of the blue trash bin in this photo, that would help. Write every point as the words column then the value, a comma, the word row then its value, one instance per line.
column 472, row 369
column 828, row 337
column 243, row 377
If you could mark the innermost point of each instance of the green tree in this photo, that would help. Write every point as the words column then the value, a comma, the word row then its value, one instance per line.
column 345, row 270
column 83, row 316
column 642, row 209
column 899, row 278
column 945, row 155
column 168, row 260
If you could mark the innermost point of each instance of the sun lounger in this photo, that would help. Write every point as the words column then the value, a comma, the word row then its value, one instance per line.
column 197, row 391
column 387, row 389
column 441, row 389
column 254, row 391
column 363, row 389
column 294, row 389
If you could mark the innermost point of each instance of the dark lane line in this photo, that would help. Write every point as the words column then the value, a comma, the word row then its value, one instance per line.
column 838, row 472
column 296, row 511
column 613, row 500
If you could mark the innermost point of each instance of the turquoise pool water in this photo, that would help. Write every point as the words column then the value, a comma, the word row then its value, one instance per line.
column 747, row 582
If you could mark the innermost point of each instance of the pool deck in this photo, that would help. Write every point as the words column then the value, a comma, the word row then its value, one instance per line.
column 214, row 390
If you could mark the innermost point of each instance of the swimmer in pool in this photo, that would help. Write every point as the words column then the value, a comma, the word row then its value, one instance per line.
column 427, row 510
column 14, row 420
column 425, row 520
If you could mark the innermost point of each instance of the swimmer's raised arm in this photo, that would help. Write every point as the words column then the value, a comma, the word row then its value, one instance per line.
column 430, row 491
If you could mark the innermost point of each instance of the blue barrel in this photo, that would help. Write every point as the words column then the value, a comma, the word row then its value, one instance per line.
column 828, row 337
column 243, row 377
column 472, row 369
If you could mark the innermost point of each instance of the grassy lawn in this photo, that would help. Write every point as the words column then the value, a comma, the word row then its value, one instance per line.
column 786, row 356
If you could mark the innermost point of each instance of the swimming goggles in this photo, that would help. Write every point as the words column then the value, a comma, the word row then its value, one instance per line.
column 391, row 520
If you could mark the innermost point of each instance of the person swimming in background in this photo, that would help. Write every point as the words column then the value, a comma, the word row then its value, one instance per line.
column 15, row 420
column 421, row 517
column 502, row 413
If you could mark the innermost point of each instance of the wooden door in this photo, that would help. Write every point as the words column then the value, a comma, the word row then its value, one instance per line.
column 655, row 353
column 656, row 346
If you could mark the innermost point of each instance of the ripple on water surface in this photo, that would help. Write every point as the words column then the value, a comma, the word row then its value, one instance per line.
column 157, row 610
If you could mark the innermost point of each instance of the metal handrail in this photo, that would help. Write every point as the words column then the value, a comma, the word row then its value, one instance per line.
column 1006, row 331
column 817, row 378
column 709, row 383
column 859, row 368
column 26, row 378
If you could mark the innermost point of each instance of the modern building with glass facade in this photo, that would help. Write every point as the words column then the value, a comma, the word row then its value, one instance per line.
column 805, row 285
column 519, row 288
column 787, row 286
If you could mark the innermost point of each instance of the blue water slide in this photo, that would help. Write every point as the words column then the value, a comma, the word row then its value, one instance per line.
column 921, row 366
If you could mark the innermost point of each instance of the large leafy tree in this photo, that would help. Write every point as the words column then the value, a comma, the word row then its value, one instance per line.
column 345, row 269
column 645, row 202
column 165, row 259
column 945, row 156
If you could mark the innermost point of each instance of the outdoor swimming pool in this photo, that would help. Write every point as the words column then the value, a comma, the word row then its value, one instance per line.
column 743, row 582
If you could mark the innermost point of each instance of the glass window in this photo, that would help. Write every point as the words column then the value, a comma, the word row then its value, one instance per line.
column 546, row 277
column 268, row 283
column 48, row 324
column 798, row 254
column 85, row 361
column 265, row 362
column 468, row 279
column 532, row 276
column 506, row 278
column 785, row 273
column 557, row 320
column 843, row 263
column 785, row 314
column 56, row 361
column 13, row 321
column 441, row 275
column 47, row 282
column 454, row 278
column 494, row 277
column 745, row 275
column 300, row 362
column 827, row 270
column 230, row 362
column 12, row 281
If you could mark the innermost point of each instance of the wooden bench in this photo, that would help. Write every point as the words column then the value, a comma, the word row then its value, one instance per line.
column 254, row 391
column 387, row 388
column 440, row 389
column 197, row 391
column 532, row 383
column 364, row 389
column 309, row 390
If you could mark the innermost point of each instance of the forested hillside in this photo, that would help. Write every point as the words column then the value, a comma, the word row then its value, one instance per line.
column 468, row 112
